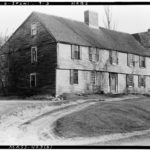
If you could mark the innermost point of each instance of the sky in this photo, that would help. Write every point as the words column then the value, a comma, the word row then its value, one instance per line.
column 127, row 18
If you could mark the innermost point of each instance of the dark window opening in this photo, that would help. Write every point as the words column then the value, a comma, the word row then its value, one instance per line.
column 130, row 82
column 33, row 54
column 141, row 81
column 142, row 62
column 33, row 80
column 74, row 76
column 113, row 57
column 75, row 52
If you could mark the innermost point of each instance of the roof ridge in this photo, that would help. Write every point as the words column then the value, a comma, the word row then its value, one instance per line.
column 69, row 19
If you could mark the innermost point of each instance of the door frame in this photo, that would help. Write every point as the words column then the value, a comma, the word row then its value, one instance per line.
column 116, row 82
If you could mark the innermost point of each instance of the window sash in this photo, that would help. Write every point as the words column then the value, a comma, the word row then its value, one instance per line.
column 93, row 77
column 130, row 81
column 33, row 29
column 33, row 80
column 75, row 52
column 93, row 54
column 97, row 55
column 33, row 54
column 141, row 81
column 130, row 60
column 142, row 62
column 113, row 56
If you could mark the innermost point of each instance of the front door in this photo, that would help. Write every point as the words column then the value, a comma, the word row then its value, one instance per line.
column 113, row 82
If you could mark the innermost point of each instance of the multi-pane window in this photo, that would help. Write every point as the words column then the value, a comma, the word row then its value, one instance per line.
column 33, row 54
column 74, row 76
column 113, row 56
column 141, row 81
column 33, row 29
column 93, row 54
column 33, row 80
column 142, row 62
column 75, row 52
column 130, row 82
column 93, row 77
column 131, row 60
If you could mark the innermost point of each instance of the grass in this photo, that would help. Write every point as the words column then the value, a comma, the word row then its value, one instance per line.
column 106, row 118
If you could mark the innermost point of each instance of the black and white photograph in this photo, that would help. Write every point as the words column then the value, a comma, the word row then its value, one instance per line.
column 75, row 74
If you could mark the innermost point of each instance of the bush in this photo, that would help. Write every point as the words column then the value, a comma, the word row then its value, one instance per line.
column 41, row 97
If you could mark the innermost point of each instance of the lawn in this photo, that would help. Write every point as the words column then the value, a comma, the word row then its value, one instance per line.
column 106, row 118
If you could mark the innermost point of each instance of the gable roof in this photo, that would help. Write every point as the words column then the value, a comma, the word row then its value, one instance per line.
column 143, row 38
column 75, row 32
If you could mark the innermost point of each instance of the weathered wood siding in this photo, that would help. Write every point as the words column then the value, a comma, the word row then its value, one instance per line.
column 20, row 65
column 103, row 68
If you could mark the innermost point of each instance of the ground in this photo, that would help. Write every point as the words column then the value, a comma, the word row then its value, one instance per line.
column 44, row 122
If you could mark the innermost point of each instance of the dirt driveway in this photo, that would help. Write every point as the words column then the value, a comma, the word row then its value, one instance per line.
column 32, row 122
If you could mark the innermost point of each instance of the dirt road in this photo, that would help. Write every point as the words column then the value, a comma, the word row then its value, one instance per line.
column 33, row 126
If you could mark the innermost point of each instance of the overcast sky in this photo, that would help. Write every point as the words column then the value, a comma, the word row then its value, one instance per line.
column 129, row 19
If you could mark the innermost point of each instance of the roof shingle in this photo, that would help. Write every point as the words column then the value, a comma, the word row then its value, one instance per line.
column 75, row 32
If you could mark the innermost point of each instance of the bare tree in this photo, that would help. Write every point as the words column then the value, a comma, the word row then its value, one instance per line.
column 108, row 19
column 3, row 38
column 3, row 63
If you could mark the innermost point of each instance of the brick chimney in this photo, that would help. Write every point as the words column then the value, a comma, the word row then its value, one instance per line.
column 91, row 19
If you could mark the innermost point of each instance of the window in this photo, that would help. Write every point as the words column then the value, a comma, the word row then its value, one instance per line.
column 93, row 77
column 130, row 82
column 113, row 57
column 141, row 81
column 75, row 52
column 74, row 76
column 142, row 62
column 93, row 54
column 33, row 29
column 3, row 58
column 131, row 60
column 33, row 54
column 33, row 80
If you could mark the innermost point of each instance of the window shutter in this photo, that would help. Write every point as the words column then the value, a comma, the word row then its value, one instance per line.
column 90, row 54
column 140, row 61
column 110, row 56
column 97, row 55
column 139, row 84
column 144, row 65
column 72, row 52
column 144, row 82
column 117, row 57
column 80, row 52
column 75, row 76
column 71, row 77
column 93, row 77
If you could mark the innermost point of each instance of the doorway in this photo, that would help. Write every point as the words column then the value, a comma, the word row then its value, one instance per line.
column 113, row 78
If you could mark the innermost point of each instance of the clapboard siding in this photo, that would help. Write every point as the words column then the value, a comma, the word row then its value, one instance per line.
column 20, row 65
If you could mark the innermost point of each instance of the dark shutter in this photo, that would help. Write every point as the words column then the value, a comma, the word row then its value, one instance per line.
column 110, row 57
column 75, row 76
column 80, row 52
column 71, row 76
column 97, row 55
column 72, row 52
column 90, row 54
